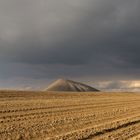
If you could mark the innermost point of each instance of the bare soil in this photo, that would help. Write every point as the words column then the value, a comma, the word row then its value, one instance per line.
column 69, row 116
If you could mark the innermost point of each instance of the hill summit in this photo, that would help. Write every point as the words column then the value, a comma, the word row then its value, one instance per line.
column 69, row 85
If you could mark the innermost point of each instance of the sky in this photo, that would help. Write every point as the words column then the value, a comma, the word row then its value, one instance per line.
column 92, row 41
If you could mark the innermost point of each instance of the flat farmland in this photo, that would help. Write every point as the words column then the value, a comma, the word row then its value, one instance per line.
column 69, row 116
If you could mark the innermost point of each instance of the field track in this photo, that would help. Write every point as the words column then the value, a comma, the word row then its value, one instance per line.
column 69, row 116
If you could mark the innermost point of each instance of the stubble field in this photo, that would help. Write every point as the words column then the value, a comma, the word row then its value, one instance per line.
column 72, row 116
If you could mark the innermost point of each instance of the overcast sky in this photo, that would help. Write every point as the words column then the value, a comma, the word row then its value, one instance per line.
column 93, row 41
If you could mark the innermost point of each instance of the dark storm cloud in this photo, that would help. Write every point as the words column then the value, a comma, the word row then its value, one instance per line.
column 92, row 38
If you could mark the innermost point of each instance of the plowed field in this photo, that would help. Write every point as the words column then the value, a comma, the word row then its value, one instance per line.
column 71, row 116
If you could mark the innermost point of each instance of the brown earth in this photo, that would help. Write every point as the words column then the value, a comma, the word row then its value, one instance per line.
column 135, row 137
column 72, row 116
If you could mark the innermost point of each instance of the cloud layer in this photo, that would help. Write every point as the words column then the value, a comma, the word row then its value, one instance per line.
column 92, row 39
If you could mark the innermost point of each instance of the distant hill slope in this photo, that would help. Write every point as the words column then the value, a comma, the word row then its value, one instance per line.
column 68, row 85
